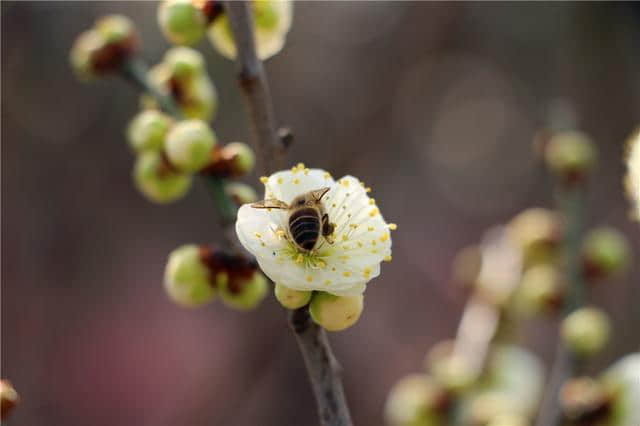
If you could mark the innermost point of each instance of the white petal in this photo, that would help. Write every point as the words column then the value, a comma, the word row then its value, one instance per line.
column 288, row 184
column 256, row 229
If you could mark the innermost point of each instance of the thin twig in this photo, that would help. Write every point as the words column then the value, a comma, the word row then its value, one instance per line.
column 571, row 202
column 253, row 82
column 322, row 368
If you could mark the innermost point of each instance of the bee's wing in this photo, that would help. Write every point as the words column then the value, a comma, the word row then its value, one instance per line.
column 319, row 193
column 270, row 203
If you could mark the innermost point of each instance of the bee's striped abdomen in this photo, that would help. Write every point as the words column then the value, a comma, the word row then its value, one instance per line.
column 304, row 225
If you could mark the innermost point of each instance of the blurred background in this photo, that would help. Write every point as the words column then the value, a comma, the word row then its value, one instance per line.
column 434, row 105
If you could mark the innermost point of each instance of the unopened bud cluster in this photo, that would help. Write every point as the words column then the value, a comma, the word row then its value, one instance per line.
column 196, row 275
column 185, row 22
column 182, row 76
column 331, row 312
column 104, row 48
column 571, row 156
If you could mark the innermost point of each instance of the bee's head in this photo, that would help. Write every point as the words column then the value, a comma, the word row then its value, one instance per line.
column 310, row 199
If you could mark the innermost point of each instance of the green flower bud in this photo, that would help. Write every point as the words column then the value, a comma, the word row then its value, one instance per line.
column 184, row 63
column 586, row 331
column 272, row 19
column 157, row 180
column 335, row 313
column 415, row 400
column 147, row 130
column 103, row 49
column 8, row 399
column 583, row 399
column 238, row 159
column 454, row 373
column 490, row 406
column 538, row 233
column 241, row 193
column 570, row 155
column 182, row 21
column 605, row 253
column 509, row 420
column 193, row 91
column 242, row 293
column 188, row 145
column 540, row 290
column 115, row 28
column 290, row 298
column 187, row 279
column 623, row 387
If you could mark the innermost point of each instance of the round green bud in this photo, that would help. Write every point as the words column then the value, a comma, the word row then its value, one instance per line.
column 147, row 130
column 586, row 331
column 8, row 399
column 605, row 253
column 453, row 373
column 187, row 280
column 510, row 419
column 157, row 180
column 82, row 52
column 621, row 382
column 540, row 289
column 290, row 298
column 570, row 155
column 188, row 145
column 415, row 400
column 115, row 28
column 243, row 294
column 200, row 100
column 489, row 406
column 582, row 398
column 537, row 232
column 184, row 62
column 241, row 157
column 241, row 193
column 272, row 20
column 335, row 313
column 181, row 21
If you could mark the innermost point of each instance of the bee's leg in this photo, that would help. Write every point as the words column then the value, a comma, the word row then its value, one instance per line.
column 327, row 229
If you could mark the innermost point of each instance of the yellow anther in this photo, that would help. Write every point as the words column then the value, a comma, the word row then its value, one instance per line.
column 373, row 242
column 374, row 251
column 353, row 225
column 264, row 179
column 300, row 166
column 370, row 228
column 345, row 183
column 367, row 189
column 327, row 175
column 346, row 274
column 280, row 180
column 346, row 247
column 393, row 226
column 372, row 201
column 259, row 235
column 333, row 269
column 384, row 238
column 296, row 181
column 309, row 278
column 280, row 233
column 387, row 258
column 333, row 205
column 306, row 171
column 300, row 259
column 321, row 264
column 373, row 212
column 367, row 273
column 360, row 244
column 262, row 244
column 327, row 282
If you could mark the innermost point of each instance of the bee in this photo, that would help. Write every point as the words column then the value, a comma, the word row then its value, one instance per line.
column 307, row 219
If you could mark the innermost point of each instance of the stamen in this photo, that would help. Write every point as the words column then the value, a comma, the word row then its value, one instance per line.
column 346, row 274
column 387, row 258
column 264, row 179
column 393, row 226
column 280, row 180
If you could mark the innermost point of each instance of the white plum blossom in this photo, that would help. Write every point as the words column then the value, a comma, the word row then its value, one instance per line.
column 361, row 237
column 633, row 175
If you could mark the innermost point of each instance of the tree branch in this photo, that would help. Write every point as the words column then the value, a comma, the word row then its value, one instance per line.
column 571, row 203
column 253, row 82
column 322, row 367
